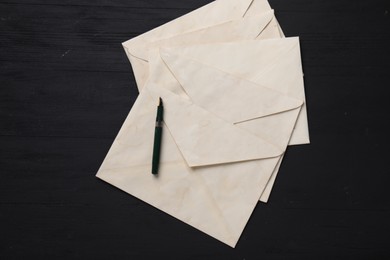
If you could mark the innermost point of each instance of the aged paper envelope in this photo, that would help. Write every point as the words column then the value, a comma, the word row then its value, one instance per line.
column 217, row 157
column 272, row 62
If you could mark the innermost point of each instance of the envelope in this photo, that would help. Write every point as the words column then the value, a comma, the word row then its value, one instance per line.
column 223, row 134
column 220, row 21
column 268, row 65
column 218, row 13
column 258, row 65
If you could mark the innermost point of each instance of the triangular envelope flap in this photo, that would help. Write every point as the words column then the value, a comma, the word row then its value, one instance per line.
column 226, row 194
column 247, row 28
column 277, row 63
column 217, row 12
column 231, row 98
column 205, row 139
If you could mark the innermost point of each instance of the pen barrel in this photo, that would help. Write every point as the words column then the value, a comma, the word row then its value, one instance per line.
column 159, row 117
column 156, row 147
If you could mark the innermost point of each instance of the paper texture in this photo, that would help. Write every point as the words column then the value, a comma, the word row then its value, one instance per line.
column 233, row 94
column 213, row 14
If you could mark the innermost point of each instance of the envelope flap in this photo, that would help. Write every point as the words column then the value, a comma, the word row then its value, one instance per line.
column 229, row 97
column 262, row 62
column 206, row 139
column 217, row 12
column 224, row 194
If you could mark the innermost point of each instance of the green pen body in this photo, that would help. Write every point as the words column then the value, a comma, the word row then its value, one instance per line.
column 157, row 138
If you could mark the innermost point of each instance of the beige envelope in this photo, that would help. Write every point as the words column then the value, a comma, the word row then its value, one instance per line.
column 193, row 25
column 223, row 138
column 268, row 63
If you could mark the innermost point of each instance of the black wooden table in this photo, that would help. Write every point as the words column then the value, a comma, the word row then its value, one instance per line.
column 66, row 87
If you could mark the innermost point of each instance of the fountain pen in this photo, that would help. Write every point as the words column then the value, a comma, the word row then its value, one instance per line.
column 157, row 138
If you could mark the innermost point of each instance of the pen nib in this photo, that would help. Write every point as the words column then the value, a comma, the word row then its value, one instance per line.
column 160, row 102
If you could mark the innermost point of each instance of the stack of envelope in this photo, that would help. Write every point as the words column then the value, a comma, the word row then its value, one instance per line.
column 233, row 95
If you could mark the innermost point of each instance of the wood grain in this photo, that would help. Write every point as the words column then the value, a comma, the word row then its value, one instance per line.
column 66, row 87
